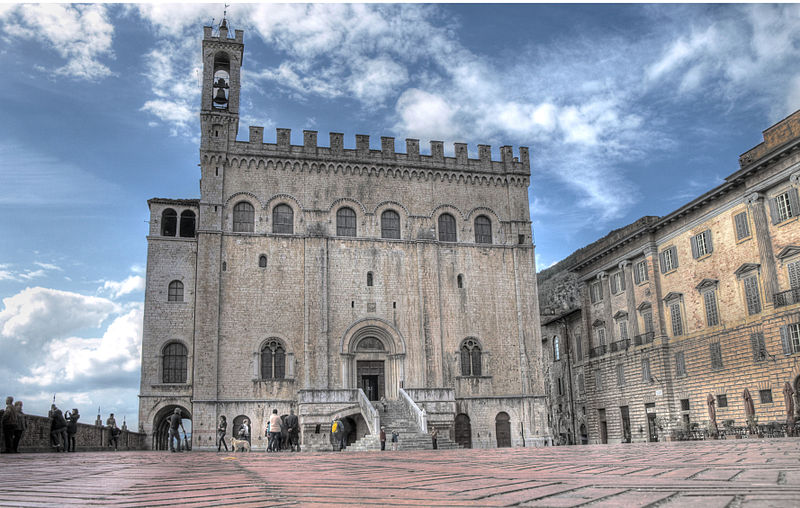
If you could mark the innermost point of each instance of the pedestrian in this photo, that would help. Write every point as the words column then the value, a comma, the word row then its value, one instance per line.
column 384, row 403
column 58, row 429
column 221, row 429
column 293, row 428
column 266, row 435
column 434, row 436
column 274, row 431
column 175, row 422
column 111, row 421
column 244, row 430
column 9, row 421
column 383, row 438
column 342, row 434
column 395, row 440
column 72, row 429
column 22, row 425
column 113, row 430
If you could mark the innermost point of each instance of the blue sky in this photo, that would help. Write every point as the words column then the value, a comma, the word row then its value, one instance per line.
column 628, row 110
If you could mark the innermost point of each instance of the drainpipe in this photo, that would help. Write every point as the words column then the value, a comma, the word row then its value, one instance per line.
column 568, row 350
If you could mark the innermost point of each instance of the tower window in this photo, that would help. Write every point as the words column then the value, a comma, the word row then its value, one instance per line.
column 345, row 222
column 220, row 90
column 470, row 358
column 483, row 229
column 175, row 291
column 187, row 224
column 243, row 217
column 369, row 278
column 283, row 220
column 262, row 261
column 174, row 363
column 447, row 228
column 460, row 280
column 169, row 222
column 390, row 224
column 273, row 360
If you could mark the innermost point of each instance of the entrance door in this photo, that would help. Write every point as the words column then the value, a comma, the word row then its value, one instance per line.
column 601, row 414
column 371, row 378
column 652, row 428
column 463, row 431
column 626, row 424
column 503, row 430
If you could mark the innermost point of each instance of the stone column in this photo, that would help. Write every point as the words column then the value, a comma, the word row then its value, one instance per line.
column 605, row 283
column 757, row 208
column 659, row 324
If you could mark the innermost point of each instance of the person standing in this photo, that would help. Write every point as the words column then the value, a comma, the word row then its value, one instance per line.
column 293, row 427
column 221, row 429
column 72, row 429
column 22, row 425
column 244, row 430
column 175, row 422
column 434, row 436
column 9, row 425
column 58, row 429
column 395, row 440
column 113, row 432
column 274, row 431
column 383, row 438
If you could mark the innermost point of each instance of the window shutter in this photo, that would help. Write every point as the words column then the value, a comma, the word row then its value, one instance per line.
column 793, row 202
column 646, row 274
column 622, row 279
column 694, row 247
column 742, row 228
column 794, row 275
column 787, row 347
column 709, row 243
column 674, row 257
column 663, row 262
column 773, row 211
column 636, row 278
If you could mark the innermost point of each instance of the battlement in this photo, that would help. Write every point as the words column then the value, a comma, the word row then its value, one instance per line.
column 508, row 163
column 222, row 34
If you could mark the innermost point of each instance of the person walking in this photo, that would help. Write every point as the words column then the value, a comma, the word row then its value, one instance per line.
column 244, row 430
column 9, row 421
column 434, row 436
column 221, row 429
column 274, row 431
column 72, row 428
column 395, row 440
column 22, row 425
column 383, row 438
column 175, row 422
column 293, row 428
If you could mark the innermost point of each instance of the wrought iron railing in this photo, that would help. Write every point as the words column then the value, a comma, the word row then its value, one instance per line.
column 597, row 351
column 620, row 345
column 785, row 298
column 644, row 338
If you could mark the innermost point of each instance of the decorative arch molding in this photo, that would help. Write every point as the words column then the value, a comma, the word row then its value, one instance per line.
column 282, row 198
column 383, row 330
column 483, row 210
column 390, row 204
column 347, row 201
column 439, row 209
column 249, row 195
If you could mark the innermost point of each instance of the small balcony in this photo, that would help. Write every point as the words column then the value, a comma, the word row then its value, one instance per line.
column 620, row 345
column 785, row 298
column 644, row 338
column 597, row 351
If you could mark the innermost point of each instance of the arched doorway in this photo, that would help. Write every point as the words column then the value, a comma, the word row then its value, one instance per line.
column 373, row 352
column 237, row 427
column 584, row 435
column 161, row 426
column 502, row 425
column 463, row 431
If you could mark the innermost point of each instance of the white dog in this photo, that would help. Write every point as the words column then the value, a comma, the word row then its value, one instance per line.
column 240, row 444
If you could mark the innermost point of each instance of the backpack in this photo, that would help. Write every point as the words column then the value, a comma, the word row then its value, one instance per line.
column 335, row 427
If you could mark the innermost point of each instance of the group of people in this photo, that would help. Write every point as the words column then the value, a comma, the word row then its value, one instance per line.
column 282, row 433
column 14, row 425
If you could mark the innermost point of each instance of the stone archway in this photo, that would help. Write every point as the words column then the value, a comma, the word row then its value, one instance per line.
column 373, row 354
column 161, row 425
column 463, row 430
column 502, row 424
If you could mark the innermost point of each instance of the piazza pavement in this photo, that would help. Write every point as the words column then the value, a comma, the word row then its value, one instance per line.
column 708, row 474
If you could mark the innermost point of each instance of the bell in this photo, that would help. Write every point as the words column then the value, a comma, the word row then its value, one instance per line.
column 221, row 83
column 220, row 98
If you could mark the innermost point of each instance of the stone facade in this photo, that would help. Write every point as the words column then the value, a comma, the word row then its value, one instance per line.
column 668, row 311
column 332, row 265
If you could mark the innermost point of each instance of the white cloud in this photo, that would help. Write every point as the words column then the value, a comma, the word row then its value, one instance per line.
column 120, row 288
column 80, row 34
column 48, row 266
column 37, row 315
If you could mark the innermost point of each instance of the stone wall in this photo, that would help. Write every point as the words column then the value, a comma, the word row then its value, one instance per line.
column 88, row 438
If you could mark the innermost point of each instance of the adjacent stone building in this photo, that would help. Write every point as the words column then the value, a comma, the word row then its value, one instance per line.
column 646, row 327
column 320, row 279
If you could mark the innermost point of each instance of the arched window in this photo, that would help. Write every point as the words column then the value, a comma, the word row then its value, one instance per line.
column 345, row 222
column 262, row 261
column 470, row 358
column 273, row 360
column 243, row 217
column 369, row 278
column 175, row 292
column 169, row 222
column 174, row 366
column 460, row 280
column 283, row 220
column 447, row 228
column 390, row 224
column 483, row 229
column 556, row 348
column 187, row 224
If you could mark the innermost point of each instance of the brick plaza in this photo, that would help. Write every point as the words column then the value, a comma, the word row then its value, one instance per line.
column 748, row 472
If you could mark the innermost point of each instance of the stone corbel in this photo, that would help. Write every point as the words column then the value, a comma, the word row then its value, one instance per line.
column 753, row 198
column 794, row 179
column 602, row 275
column 624, row 264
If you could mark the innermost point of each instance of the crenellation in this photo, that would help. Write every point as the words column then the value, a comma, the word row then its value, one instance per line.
column 437, row 151
column 256, row 135
column 387, row 147
column 310, row 142
column 412, row 149
column 362, row 144
column 284, row 138
column 460, row 150
column 337, row 143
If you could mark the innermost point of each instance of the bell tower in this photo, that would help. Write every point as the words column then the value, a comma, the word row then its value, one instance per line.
column 222, row 63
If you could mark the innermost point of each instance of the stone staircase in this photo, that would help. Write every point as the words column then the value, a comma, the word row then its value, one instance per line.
column 398, row 417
